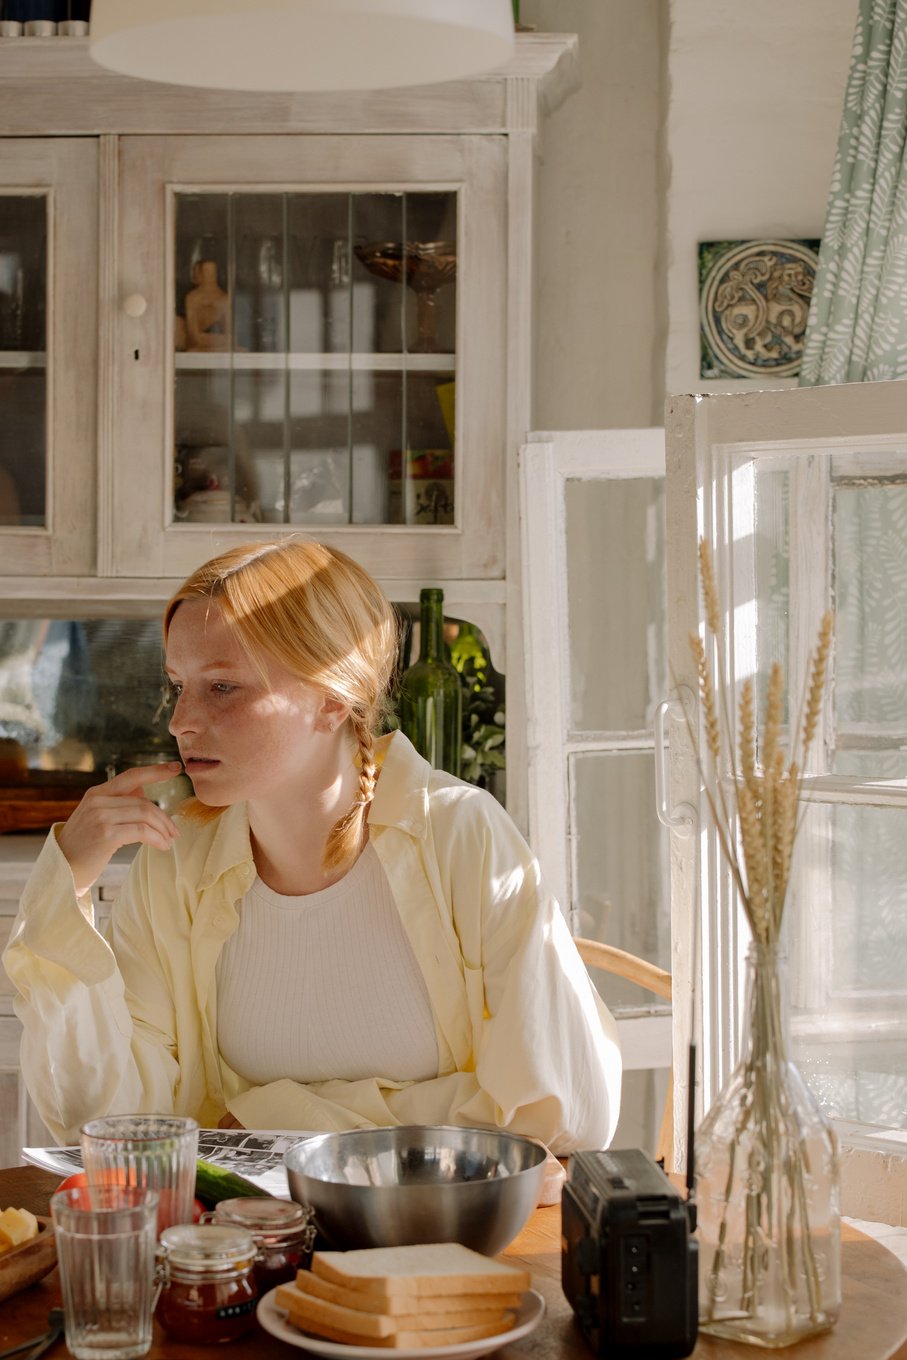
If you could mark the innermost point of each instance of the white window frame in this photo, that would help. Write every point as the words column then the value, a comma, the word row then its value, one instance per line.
column 547, row 461
column 709, row 439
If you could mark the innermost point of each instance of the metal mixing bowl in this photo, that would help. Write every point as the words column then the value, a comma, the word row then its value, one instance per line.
column 392, row 1186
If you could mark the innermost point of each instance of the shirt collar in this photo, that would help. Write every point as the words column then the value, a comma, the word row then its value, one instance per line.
column 401, row 793
column 401, row 800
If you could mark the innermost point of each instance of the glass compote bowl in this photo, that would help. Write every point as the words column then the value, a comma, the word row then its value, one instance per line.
column 424, row 266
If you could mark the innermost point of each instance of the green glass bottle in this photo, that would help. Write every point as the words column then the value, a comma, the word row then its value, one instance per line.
column 431, row 696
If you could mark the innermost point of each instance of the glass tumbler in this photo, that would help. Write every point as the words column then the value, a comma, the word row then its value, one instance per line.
column 155, row 1152
column 106, row 1239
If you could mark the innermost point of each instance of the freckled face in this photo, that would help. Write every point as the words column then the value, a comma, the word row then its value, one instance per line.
column 240, row 737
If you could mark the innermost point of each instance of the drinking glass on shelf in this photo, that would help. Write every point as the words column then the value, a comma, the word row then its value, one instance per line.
column 153, row 1152
column 106, row 1238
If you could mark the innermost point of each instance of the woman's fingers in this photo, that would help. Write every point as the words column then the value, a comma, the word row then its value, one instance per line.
column 139, row 777
column 112, row 815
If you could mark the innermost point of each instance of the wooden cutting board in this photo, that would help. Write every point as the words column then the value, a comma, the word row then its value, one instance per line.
column 36, row 802
column 24, row 1265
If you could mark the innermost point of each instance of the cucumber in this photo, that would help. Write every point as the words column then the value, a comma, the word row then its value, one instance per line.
column 213, row 1183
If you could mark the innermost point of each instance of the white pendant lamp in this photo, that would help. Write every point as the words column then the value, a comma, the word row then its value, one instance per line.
column 301, row 44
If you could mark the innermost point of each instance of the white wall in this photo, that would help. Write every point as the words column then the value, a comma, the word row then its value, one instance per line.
column 696, row 120
column 753, row 104
column 597, row 220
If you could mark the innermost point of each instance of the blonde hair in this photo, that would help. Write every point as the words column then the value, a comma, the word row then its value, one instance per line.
column 321, row 616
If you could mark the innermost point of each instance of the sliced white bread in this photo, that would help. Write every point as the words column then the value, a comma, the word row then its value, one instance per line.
column 432, row 1268
column 313, row 1315
column 398, row 1304
column 442, row 1336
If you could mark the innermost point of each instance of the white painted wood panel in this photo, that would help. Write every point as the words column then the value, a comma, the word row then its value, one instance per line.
column 54, row 87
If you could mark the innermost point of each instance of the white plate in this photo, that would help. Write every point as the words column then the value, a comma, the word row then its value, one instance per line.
column 274, row 1320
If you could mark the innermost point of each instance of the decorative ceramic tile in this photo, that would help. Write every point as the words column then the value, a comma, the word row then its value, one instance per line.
column 753, row 304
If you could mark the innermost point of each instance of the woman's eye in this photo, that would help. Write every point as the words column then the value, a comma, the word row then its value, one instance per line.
column 174, row 691
column 221, row 687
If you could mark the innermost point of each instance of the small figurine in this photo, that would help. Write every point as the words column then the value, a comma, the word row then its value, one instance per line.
column 207, row 310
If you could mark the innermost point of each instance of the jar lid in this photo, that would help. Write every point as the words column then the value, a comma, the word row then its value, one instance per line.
column 205, row 1246
column 259, row 1215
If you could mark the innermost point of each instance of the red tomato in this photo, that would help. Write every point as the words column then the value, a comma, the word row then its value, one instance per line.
column 197, row 1210
column 77, row 1179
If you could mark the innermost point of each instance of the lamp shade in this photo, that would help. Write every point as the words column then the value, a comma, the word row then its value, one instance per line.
column 301, row 44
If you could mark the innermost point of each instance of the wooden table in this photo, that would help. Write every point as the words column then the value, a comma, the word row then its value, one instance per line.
column 872, row 1325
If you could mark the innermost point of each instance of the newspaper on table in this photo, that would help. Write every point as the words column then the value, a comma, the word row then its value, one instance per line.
column 256, row 1154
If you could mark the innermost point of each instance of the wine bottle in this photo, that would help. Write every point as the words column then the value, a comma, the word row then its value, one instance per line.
column 431, row 697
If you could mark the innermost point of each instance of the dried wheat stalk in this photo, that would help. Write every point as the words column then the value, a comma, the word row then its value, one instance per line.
column 764, row 804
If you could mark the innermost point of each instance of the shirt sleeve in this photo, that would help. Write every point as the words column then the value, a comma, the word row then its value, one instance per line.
column 97, row 1020
column 547, row 1055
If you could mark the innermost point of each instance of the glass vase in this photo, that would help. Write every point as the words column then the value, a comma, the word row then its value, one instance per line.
column 767, row 1185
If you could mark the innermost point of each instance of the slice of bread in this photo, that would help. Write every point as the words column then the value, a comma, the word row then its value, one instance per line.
column 428, row 1268
column 449, row 1336
column 312, row 1314
column 397, row 1304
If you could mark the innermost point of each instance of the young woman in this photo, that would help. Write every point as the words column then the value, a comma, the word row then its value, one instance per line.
column 331, row 934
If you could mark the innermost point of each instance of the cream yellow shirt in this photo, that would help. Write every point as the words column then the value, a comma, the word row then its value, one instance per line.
column 128, row 1023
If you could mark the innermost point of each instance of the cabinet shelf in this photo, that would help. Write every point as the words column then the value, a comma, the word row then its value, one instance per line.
column 421, row 363
column 22, row 358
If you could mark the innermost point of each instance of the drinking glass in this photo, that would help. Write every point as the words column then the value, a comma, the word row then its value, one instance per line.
column 156, row 1152
column 106, row 1239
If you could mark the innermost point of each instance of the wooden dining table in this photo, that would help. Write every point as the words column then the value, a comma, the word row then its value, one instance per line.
column 872, row 1324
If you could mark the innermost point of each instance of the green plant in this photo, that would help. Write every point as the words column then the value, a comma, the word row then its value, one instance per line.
column 483, row 711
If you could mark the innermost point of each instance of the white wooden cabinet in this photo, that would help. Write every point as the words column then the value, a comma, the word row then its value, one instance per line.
column 147, row 539
column 112, row 154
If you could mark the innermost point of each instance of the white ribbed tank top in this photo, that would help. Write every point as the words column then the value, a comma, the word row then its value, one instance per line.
column 324, row 986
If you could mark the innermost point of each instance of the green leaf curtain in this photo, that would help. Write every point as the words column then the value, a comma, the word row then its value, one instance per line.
column 857, row 328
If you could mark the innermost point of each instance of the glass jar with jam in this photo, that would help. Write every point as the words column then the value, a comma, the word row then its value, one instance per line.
column 284, row 1233
column 209, row 1290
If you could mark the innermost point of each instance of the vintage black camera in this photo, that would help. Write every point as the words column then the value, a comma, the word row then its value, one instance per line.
column 629, row 1260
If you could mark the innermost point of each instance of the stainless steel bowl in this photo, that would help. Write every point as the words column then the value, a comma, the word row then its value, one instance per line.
column 393, row 1186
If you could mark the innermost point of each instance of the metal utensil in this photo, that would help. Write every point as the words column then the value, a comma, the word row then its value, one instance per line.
column 39, row 1344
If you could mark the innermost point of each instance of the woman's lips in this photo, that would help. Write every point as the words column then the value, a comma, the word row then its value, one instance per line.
column 199, row 764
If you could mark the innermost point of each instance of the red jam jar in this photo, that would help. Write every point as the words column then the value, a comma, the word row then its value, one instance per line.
column 209, row 1292
column 283, row 1231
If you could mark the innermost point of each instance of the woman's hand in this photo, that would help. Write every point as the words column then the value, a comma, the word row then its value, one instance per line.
column 113, row 814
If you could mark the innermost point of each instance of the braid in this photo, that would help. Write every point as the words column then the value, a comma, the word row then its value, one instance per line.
column 346, row 834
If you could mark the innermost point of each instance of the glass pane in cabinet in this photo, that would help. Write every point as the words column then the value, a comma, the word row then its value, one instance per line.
column 317, row 332
column 23, row 359
column 620, row 862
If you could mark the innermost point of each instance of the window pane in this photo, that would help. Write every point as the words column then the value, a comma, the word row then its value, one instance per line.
column 849, row 954
column 621, row 855
column 870, row 554
column 23, row 360
column 615, row 575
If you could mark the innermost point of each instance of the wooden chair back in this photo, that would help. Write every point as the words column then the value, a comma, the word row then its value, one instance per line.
column 653, row 979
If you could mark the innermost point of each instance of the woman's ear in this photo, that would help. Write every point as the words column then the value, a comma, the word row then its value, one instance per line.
column 332, row 713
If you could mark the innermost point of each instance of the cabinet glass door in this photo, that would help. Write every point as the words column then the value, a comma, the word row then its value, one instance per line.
column 23, row 359
column 48, row 301
column 317, row 342
column 315, row 357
